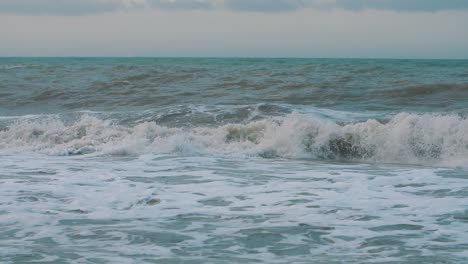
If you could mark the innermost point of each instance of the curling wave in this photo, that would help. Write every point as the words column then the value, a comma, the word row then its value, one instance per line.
column 406, row 138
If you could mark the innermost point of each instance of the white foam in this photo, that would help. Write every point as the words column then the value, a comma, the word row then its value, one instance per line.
column 12, row 66
column 405, row 138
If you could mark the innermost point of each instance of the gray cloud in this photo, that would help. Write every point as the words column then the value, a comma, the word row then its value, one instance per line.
column 354, row 5
column 267, row 5
column 83, row 7
column 57, row 7
column 402, row 5
column 183, row 4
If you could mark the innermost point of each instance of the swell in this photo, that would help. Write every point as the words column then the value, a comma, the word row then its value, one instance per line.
column 429, row 139
column 122, row 94
column 53, row 85
column 447, row 89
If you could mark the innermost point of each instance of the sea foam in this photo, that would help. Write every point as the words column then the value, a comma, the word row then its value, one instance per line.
column 405, row 138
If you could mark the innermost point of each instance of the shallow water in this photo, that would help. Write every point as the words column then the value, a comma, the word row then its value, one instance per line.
column 233, row 160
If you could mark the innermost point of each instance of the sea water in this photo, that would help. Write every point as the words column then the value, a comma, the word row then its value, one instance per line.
column 188, row 160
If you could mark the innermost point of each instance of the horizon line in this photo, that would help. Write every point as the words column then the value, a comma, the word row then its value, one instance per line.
column 229, row 57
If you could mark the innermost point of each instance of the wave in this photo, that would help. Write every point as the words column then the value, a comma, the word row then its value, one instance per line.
column 433, row 90
column 6, row 67
column 429, row 139
column 11, row 66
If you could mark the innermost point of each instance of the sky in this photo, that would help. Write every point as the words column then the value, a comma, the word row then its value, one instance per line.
column 235, row 28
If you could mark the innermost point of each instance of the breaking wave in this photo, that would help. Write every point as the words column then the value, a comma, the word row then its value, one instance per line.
column 406, row 138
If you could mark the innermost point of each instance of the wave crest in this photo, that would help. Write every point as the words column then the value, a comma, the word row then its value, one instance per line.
column 405, row 138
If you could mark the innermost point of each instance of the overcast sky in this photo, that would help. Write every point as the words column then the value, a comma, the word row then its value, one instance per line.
column 246, row 28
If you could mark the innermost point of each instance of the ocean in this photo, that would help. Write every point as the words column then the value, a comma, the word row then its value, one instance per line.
column 225, row 160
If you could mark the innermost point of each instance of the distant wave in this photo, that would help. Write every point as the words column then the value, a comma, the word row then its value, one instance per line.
column 427, row 89
column 14, row 66
column 128, row 92
column 429, row 139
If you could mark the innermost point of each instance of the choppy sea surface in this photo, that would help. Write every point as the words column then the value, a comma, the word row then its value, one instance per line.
column 187, row 160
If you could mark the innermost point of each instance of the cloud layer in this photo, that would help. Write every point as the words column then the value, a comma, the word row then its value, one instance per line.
column 83, row 7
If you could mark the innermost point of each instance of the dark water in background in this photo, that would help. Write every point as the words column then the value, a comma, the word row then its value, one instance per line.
column 57, row 85
column 256, row 160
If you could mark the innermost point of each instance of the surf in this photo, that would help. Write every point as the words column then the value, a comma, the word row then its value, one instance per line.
column 407, row 138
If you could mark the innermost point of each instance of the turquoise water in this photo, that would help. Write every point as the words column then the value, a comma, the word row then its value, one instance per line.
column 142, row 160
